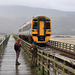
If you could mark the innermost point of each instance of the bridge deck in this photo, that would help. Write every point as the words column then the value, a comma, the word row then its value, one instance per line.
column 7, row 63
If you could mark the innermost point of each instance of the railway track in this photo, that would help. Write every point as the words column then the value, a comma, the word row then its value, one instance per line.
column 62, row 54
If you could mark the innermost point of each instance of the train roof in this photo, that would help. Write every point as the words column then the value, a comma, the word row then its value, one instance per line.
column 25, row 24
column 30, row 21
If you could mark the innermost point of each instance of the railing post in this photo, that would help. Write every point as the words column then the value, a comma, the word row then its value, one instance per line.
column 39, row 61
column 47, row 64
column 55, row 44
column 69, row 46
column 2, row 46
column 43, row 64
column 66, row 47
column 74, row 48
column 54, row 65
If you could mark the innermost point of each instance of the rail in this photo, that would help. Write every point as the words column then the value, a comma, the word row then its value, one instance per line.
column 3, row 45
column 48, row 63
column 67, row 46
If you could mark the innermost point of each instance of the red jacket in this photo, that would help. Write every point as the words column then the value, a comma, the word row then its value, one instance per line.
column 18, row 41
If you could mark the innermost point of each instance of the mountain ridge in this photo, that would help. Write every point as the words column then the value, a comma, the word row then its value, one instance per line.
column 12, row 17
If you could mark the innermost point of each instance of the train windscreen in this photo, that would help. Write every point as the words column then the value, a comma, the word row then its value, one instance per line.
column 47, row 25
column 35, row 25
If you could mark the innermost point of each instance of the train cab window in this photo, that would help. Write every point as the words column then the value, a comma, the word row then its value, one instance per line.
column 34, row 19
column 35, row 25
column 47, row 25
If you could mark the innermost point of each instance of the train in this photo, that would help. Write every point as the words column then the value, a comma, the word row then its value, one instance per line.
column 37, row 29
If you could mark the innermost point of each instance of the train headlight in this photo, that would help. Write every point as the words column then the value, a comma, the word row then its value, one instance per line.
column 33, row 30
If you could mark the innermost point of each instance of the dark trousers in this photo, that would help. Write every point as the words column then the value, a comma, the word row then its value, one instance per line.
column 17, row 56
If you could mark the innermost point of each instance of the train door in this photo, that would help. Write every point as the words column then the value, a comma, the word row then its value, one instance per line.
column 41, row 28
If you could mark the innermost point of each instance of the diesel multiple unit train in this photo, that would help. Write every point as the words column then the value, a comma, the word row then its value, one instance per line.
column 38, row 29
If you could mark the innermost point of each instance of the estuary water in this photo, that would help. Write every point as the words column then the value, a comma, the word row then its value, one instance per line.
column 64, row 38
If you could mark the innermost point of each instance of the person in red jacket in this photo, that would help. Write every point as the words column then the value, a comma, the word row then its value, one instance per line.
column 18, row 51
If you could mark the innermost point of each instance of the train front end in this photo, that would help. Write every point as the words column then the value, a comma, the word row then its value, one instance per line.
column 41, row 29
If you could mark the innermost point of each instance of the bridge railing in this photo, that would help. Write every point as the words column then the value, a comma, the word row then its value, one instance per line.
column 3, row 45
column 53, row 65
column 62, row 45
column 48, row 63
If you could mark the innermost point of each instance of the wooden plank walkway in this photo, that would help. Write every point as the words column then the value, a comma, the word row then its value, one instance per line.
column 7, row 64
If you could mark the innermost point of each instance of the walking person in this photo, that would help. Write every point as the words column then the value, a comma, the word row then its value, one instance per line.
column 17, row 47
column 33, row 50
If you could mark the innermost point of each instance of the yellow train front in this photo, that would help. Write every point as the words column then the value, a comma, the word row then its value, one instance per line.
column 41, row 29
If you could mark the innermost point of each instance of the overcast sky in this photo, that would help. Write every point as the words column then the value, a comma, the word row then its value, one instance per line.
column 64, row 5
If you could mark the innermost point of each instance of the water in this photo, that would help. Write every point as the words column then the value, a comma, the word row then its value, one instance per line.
column 65, row 38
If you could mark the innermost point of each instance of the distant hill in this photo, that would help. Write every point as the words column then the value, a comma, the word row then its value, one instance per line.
column 12, row 17
column 64, row 25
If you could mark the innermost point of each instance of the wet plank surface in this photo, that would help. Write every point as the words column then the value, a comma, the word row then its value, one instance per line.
column 7, row 63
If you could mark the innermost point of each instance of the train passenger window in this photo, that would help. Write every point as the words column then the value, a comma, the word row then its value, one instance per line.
column 35, row 25
column 27, row 27
column 20, row 30
column 47, row 25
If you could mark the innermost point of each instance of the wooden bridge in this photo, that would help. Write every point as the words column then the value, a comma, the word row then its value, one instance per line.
column 7, row 61
column 48, row 63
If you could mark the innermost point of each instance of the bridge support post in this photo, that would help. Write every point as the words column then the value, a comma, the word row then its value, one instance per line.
column 43, row 64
